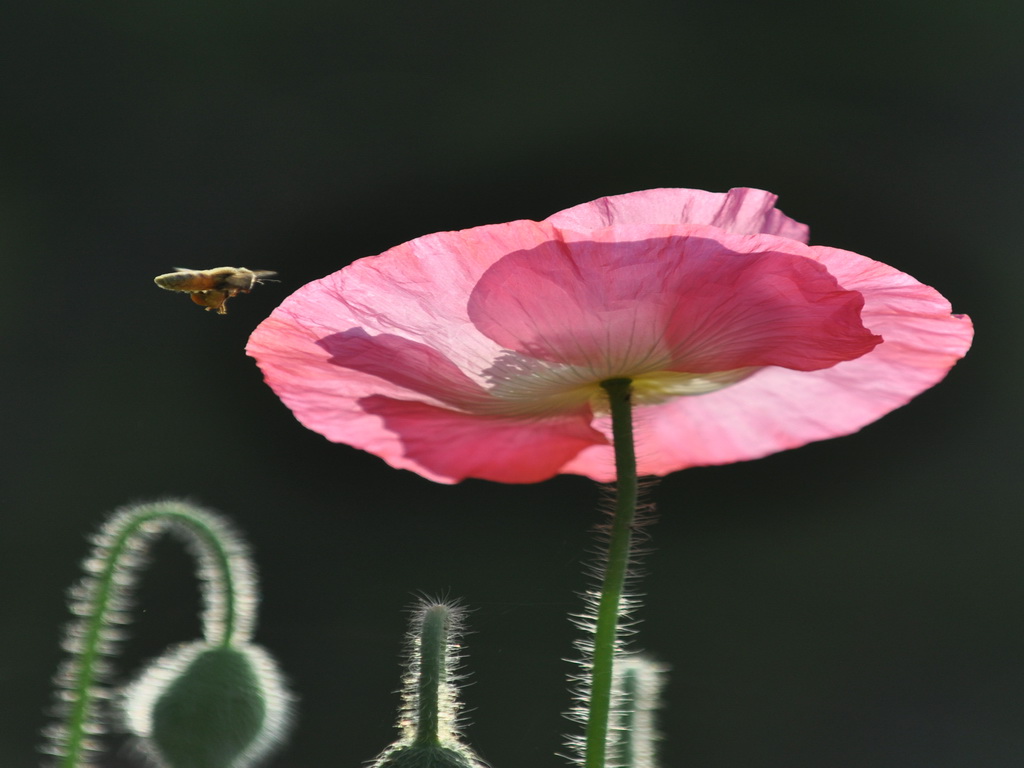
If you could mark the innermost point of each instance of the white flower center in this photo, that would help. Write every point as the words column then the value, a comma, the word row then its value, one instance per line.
column 525, row 386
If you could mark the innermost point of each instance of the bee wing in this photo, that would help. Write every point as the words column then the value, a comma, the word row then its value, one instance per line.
column 245, row 279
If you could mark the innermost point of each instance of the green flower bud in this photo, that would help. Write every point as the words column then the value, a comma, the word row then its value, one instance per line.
column 203, row 706
column 426, row 756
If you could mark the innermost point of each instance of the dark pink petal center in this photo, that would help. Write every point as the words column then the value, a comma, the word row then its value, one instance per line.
column 692, row 303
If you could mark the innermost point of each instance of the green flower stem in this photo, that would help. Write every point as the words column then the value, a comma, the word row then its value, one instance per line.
column 608, row 608
column 103, row 595
column 433, row 642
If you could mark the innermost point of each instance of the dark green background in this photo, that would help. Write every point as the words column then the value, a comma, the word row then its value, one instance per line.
column 852, row 603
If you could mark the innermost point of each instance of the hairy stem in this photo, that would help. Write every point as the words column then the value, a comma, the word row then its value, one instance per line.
column 433, row 670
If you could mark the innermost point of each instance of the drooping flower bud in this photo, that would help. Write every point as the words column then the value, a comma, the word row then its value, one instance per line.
column 219, row 702
column 203, row 706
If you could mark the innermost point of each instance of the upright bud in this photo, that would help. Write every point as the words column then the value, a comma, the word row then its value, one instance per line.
column 429, row 717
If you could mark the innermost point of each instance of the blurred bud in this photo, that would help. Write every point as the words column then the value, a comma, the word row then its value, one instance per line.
column 203, row 706
column 636, row 697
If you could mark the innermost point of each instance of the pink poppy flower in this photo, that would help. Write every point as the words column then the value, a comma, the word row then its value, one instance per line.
column 480, row 353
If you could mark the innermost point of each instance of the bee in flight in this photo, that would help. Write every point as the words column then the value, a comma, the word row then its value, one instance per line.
column 211, row 288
